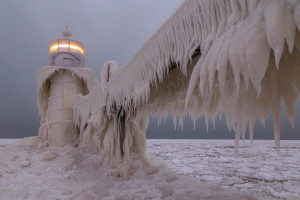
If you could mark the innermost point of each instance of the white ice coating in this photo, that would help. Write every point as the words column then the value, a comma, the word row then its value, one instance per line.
column 249, row 62
column 250, row 55
column 108, row 69
column 100, row 131
column 57, row 87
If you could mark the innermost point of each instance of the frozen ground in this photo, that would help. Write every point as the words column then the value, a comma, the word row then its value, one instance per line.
column 4, row 142
column 30, row 170
column 259, row 170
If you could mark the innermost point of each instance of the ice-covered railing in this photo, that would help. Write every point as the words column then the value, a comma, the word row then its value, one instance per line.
column 100, row 131
column 249, row 63
column 90, row 114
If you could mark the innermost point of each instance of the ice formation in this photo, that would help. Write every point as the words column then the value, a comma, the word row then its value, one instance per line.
column 231, row 58
column 56, row 89
column 100, row 131
column 249, row 62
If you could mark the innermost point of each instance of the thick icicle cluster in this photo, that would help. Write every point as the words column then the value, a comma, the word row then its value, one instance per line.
column 249, row 62
column 250, row 53
column 100, row 131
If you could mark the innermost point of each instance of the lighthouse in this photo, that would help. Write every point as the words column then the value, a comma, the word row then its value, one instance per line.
column 65, row 77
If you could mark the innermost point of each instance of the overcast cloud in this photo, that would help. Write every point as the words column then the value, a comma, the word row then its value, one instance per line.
column 110, row 30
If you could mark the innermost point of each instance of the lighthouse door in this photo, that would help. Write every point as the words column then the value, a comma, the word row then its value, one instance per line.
column 67, row 62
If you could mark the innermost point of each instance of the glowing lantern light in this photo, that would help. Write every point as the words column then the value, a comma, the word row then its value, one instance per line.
column 66, row 46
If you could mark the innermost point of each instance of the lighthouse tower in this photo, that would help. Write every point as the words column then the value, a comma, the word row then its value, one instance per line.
column 58, row 84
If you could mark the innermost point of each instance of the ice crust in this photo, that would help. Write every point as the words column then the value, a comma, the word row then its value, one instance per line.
column 256, row 169
column 31, row 170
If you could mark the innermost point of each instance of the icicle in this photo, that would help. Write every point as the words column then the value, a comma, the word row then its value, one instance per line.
column 174, row 121
column 277, row 133
column 297, row 16
column 274, row 15
column 276, row 106
column 206, row 123
column 243, row 134
column 238, row 132
column 251, row 130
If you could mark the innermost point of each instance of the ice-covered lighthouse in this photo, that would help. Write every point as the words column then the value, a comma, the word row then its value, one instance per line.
column 58, row 84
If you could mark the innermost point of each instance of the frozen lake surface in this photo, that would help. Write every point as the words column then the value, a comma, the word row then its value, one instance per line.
column 257, row 170
column 4, row 142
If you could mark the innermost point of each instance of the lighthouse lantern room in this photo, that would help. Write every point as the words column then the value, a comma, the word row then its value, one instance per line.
column 66, row 51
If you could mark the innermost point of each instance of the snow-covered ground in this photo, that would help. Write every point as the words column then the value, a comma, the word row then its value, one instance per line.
column 259, row 170
column 28, row 170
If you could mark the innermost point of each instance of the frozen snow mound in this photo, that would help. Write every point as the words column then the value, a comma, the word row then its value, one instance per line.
column 233, row 58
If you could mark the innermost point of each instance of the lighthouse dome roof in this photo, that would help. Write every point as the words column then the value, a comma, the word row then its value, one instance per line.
column 67, row 32
column 67, row 35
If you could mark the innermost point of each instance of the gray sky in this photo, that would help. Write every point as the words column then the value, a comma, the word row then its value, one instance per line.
column 110, row 30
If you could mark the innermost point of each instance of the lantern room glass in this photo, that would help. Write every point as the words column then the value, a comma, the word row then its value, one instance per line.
column 66, row 46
